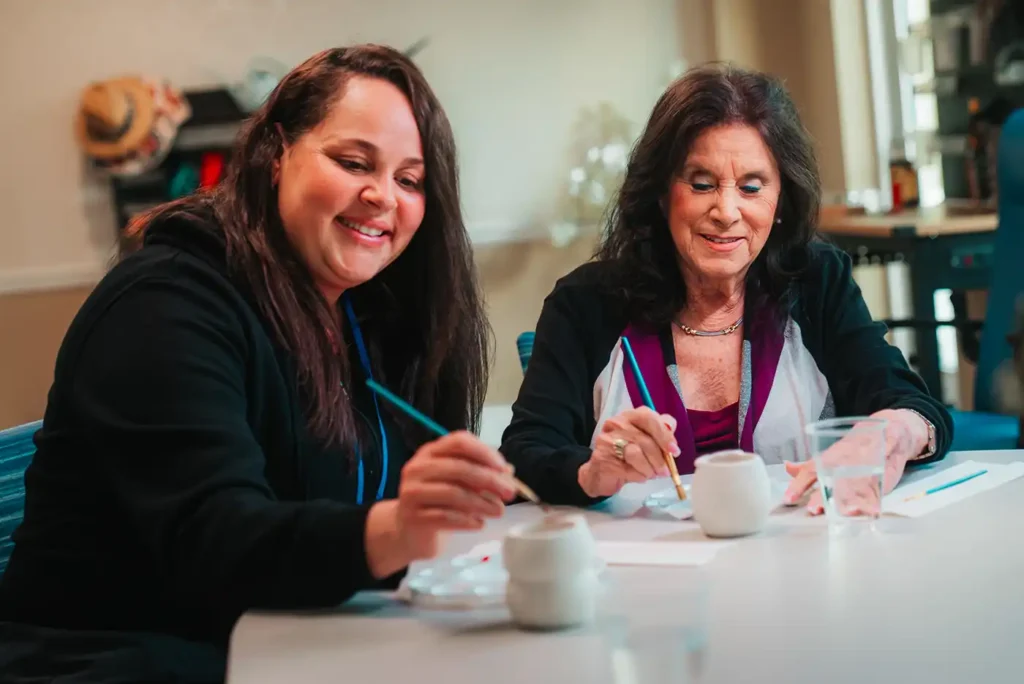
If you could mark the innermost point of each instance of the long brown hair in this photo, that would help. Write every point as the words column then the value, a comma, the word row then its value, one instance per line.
column 422, row 317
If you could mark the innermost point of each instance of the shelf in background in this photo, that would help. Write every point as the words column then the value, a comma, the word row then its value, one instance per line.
column 950, row 218
column 969, row 101
column 211, row 129
column 212, row 107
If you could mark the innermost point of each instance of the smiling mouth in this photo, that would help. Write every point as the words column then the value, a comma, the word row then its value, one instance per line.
column 718, row 240
column 361, row 229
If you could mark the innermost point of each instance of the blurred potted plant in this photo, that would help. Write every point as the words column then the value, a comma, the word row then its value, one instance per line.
column 602, row 138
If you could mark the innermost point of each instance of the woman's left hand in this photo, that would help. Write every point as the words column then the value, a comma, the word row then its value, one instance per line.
column 906, row 436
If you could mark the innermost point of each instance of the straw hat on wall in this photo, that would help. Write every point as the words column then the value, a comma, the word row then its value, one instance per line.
column 126, row 125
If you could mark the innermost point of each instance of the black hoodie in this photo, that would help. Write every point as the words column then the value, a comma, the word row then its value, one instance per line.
column 175, row 484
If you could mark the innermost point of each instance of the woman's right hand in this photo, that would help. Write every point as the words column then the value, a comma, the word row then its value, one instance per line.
column 643, row 436
column 453, row 483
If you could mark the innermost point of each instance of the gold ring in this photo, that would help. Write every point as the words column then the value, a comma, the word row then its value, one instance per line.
column 620, row 448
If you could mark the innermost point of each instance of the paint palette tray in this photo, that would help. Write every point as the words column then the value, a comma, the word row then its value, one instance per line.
column 467, row 581
column 667, row 501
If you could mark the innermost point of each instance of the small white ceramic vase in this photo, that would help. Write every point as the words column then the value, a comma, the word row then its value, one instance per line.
column 552, row 566
column 731, row 493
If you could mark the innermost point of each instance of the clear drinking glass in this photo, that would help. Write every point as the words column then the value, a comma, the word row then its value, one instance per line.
column 849, row 457
column 655, row 625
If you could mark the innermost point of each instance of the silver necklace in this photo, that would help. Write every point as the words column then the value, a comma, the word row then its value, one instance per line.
column 709, row 333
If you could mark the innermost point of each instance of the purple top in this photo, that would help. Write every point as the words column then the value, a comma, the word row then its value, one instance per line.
column 715, row 430
column 766, row 342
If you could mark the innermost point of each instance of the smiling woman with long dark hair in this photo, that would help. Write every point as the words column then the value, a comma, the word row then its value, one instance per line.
column 738, row 316
column 210, row 445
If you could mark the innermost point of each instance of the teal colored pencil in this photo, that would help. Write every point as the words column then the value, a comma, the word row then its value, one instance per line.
column 636, row 374
column 436, row 428
column 939, row 488
column 669, row 461
column 408, row 408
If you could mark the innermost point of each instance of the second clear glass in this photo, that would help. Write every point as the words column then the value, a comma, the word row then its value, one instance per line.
column 849, row 457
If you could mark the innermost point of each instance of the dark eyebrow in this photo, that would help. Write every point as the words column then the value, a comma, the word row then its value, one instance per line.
column 370, row 149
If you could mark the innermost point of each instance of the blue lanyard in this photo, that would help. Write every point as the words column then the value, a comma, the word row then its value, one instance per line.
column 364, row 361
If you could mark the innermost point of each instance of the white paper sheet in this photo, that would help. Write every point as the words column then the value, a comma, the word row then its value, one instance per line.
column 658, row 553
column 635, row 553
column 895, row 502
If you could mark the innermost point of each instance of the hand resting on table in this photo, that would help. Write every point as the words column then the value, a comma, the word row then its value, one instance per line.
column 906, row 436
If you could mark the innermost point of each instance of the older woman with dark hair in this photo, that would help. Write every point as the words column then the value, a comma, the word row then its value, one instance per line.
column 742, row 323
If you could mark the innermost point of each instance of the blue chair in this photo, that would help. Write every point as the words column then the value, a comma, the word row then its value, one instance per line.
column 984, row 428
column 16, row 451
column 524, row 343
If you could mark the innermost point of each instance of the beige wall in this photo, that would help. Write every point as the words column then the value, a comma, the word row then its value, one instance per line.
column 33, row 326
column 818, row 48
column 792, row 39
column 516, row 278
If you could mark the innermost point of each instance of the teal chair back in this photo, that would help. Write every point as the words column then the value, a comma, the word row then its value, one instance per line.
column 16, row 451
column 984, row 427
column 524, row 343
column 1007, row 255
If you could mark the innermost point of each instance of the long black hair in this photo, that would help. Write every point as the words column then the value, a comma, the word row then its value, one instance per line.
column 637, row 238
column 422, row 316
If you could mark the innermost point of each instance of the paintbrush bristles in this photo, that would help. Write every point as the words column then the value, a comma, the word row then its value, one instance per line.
column 526, row 491
column 674, row 472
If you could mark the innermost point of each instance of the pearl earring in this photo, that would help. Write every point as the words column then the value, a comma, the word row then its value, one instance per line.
column 778, row 220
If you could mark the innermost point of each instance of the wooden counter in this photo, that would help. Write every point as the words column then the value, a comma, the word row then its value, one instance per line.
column 946, row 219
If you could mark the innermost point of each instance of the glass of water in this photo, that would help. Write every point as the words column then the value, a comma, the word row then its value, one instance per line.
column 849, row 457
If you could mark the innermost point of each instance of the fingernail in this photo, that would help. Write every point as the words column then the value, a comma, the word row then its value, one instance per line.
column 673, row 450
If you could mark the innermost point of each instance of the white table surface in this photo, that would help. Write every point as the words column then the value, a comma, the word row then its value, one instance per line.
column 934, row 599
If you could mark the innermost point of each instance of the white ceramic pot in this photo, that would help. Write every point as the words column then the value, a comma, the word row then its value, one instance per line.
column 552, row 549
column 552, row 572
column 562, row 604
column 731, row 493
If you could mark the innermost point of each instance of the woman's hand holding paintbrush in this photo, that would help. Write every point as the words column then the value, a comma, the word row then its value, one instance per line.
column 451, row 484
column 631, row 448
column 634, row 446
column 454, row 483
